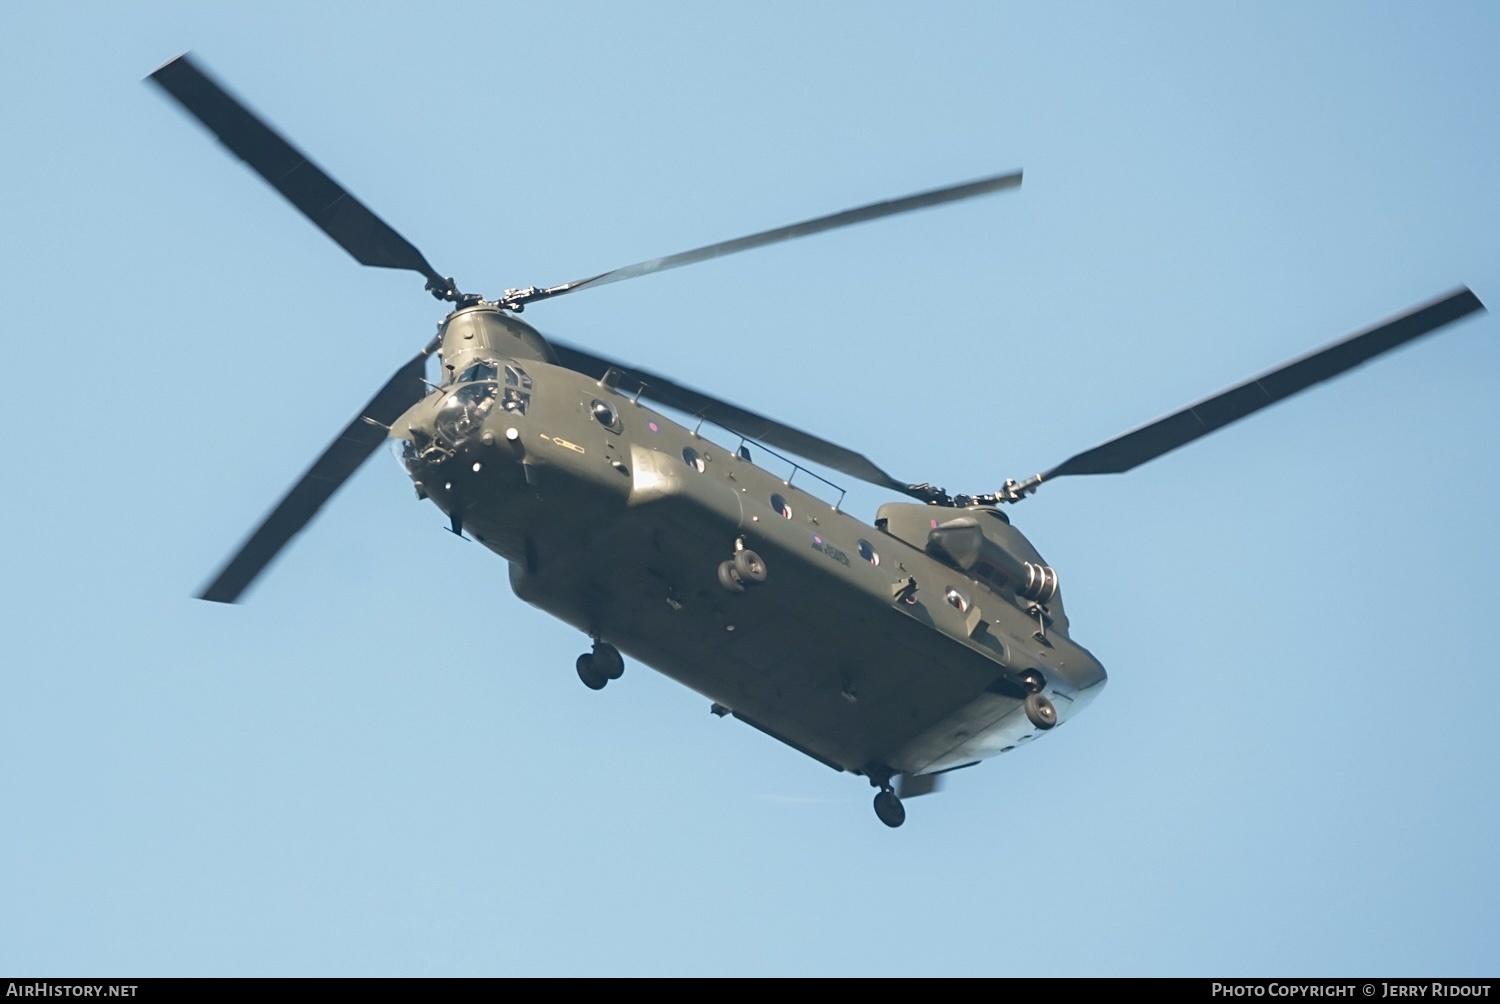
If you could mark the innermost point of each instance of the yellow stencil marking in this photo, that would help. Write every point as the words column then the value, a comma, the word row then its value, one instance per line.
column 558, row 440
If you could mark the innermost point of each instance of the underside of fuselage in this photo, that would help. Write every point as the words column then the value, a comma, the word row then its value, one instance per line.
column 853, row 683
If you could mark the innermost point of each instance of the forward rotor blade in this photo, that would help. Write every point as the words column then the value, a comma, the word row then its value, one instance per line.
column 1182, row 427
column 873, row 211
column 632, row 379
column 321, row 199
column 342, row 458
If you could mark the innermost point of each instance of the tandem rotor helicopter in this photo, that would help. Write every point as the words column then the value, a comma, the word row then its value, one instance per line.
column 898, row 651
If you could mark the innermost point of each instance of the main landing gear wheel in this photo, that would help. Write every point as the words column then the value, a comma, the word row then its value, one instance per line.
column 746, row 568
column 1040, row 711
column 592, row 677
column 889, row 808
column 608, row 661
column 750, row 566
column 729, row 577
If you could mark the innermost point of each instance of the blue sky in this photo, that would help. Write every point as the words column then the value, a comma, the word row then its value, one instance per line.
column 383, row 763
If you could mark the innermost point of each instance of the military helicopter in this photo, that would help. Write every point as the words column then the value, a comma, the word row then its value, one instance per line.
column 899, row 651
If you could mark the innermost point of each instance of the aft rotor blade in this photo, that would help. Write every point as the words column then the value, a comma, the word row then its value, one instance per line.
column 873, row 211
column 632, row 379
column 1182, row 427
column 338, row 214
column 359, row 439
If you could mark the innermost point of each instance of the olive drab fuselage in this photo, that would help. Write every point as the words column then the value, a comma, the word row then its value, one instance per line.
column 897, row 648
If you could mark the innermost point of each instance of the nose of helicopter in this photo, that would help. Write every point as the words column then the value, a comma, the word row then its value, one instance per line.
column 452, row 431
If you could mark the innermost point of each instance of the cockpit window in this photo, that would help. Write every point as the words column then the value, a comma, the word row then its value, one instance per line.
column 463, row 412
column 517, row 385
column 515, row 401
column 479, row 371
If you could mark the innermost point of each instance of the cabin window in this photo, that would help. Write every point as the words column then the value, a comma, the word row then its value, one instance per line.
column 604, row 414
column 868, row 552
column 782, row 509
column 479, row 371
column 957, row 600
column 693, row 459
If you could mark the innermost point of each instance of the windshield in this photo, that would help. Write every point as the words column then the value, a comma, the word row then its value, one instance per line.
column 479, row 371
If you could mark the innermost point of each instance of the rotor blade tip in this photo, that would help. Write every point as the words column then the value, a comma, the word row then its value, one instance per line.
column 181, row 57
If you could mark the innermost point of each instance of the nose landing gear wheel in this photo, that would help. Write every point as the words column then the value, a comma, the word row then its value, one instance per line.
column 1040, row 711
column 889, row 808
column 608, row 661
column 589, row 673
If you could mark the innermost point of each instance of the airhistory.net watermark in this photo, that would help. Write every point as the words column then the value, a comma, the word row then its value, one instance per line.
column 39, row 988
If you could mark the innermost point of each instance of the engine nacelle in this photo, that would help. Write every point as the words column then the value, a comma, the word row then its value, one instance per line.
column 981, row 543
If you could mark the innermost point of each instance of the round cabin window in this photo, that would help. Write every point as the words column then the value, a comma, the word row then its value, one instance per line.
column 869, row 553
column 693, row 459
column 957, row 600
column 604, row 414
column 780, row 505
